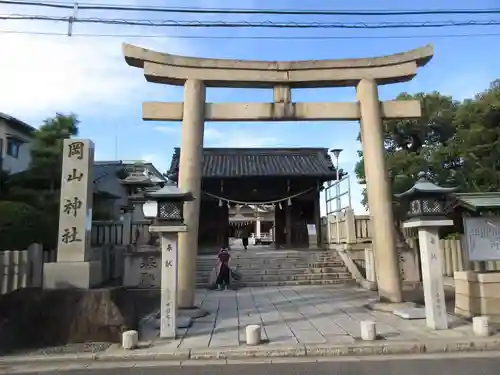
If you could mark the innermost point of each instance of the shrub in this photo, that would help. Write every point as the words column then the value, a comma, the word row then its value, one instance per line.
column 22, row 225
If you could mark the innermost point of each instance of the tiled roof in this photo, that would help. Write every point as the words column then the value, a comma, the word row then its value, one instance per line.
column 102, row 169
column 259, row 162
column 477, row 201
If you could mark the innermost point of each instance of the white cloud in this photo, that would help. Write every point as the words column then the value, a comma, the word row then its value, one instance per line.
column 231, row 138
column 168, row 129
column 237, row 138
column 42, row 74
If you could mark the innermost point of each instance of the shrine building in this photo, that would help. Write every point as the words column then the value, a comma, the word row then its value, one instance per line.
column 288, row 179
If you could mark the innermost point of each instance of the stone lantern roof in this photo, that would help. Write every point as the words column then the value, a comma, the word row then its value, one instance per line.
column 423, row 187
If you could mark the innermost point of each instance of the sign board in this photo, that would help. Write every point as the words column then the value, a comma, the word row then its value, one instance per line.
column 482, row 238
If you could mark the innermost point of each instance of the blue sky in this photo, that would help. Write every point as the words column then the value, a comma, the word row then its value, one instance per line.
column 88, row 75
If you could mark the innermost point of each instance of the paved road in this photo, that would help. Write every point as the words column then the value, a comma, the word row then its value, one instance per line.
column 481, row 364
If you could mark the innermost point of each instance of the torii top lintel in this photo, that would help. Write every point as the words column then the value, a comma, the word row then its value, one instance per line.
column 175, row 70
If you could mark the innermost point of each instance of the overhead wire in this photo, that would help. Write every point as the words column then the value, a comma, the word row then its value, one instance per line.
column 262, row 37
column 250, row 24
column 268, row 11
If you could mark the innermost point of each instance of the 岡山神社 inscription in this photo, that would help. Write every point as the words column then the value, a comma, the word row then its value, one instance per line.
column 76, row 201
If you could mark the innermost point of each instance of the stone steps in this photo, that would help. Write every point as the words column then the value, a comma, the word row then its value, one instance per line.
column 309, row 276
column 281, row 271
column 267, row 266
column 258, row 284
column 275, row 268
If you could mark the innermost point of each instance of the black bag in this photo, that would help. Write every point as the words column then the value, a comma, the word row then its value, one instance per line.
column 235, row 275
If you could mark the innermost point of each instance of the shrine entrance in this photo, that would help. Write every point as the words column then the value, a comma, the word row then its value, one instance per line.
column 196, row 74
column 270, row 193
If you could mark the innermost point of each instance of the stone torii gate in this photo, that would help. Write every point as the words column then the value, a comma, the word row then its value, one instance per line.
column 196, row 74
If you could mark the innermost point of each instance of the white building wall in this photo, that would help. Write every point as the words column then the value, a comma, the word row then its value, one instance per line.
column 22, row 162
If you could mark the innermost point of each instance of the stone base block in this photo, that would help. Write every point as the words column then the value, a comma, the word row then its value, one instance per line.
column 72, row 275
column 390, row 306
column 477, row 294
column 193, row 313
column 35, row 318
column 411, row 313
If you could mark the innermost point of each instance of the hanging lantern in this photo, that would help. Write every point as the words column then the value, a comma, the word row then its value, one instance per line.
column 220, row 203
column 228, row 204
column 280, row 206
column 289, row 201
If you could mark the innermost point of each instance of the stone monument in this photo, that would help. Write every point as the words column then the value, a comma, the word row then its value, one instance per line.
column 75, row 267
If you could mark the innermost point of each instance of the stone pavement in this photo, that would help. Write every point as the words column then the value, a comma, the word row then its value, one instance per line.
column 299, row 315
column 298, row 321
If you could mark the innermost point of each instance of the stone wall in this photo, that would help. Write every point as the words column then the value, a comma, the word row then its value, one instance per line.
column 34, row 318
column 477, row 294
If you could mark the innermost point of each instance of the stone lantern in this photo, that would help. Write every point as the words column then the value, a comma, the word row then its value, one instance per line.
column 165, row 206
column 426, row 202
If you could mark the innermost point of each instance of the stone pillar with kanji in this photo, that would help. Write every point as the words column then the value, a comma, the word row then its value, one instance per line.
column 75, row 266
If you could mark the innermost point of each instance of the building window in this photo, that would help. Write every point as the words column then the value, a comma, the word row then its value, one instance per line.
column 13, row 147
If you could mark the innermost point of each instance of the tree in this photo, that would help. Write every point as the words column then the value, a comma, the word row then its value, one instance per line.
column 412, row 146
column 47, row 147
column 39, row 186
column 457, row 143
column 476, row 144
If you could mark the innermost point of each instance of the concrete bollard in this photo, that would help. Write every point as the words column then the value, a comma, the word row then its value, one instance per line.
column 130, row 339
column 480, row 326
column 253, row 334
column 368, row 330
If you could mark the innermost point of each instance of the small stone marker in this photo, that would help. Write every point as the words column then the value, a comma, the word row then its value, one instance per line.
column 480, row 326
column 368, row 330
column 130, row 339
column 253, row 334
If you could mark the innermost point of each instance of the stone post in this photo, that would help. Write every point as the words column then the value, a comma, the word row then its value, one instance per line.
column 190, row 180
column 75, row 267
column 350, row 226
column 432, row 276
column 379, row 193
column 370, row 265
column 169, row 278
column 257, row 227
column 126, row 220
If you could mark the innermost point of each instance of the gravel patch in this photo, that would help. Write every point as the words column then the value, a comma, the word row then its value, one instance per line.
column 92, row 347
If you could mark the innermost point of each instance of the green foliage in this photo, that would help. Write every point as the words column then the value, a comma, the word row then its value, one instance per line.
column 21, row 225
column 457, row 143
column 39, row 186
column 47, row 147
